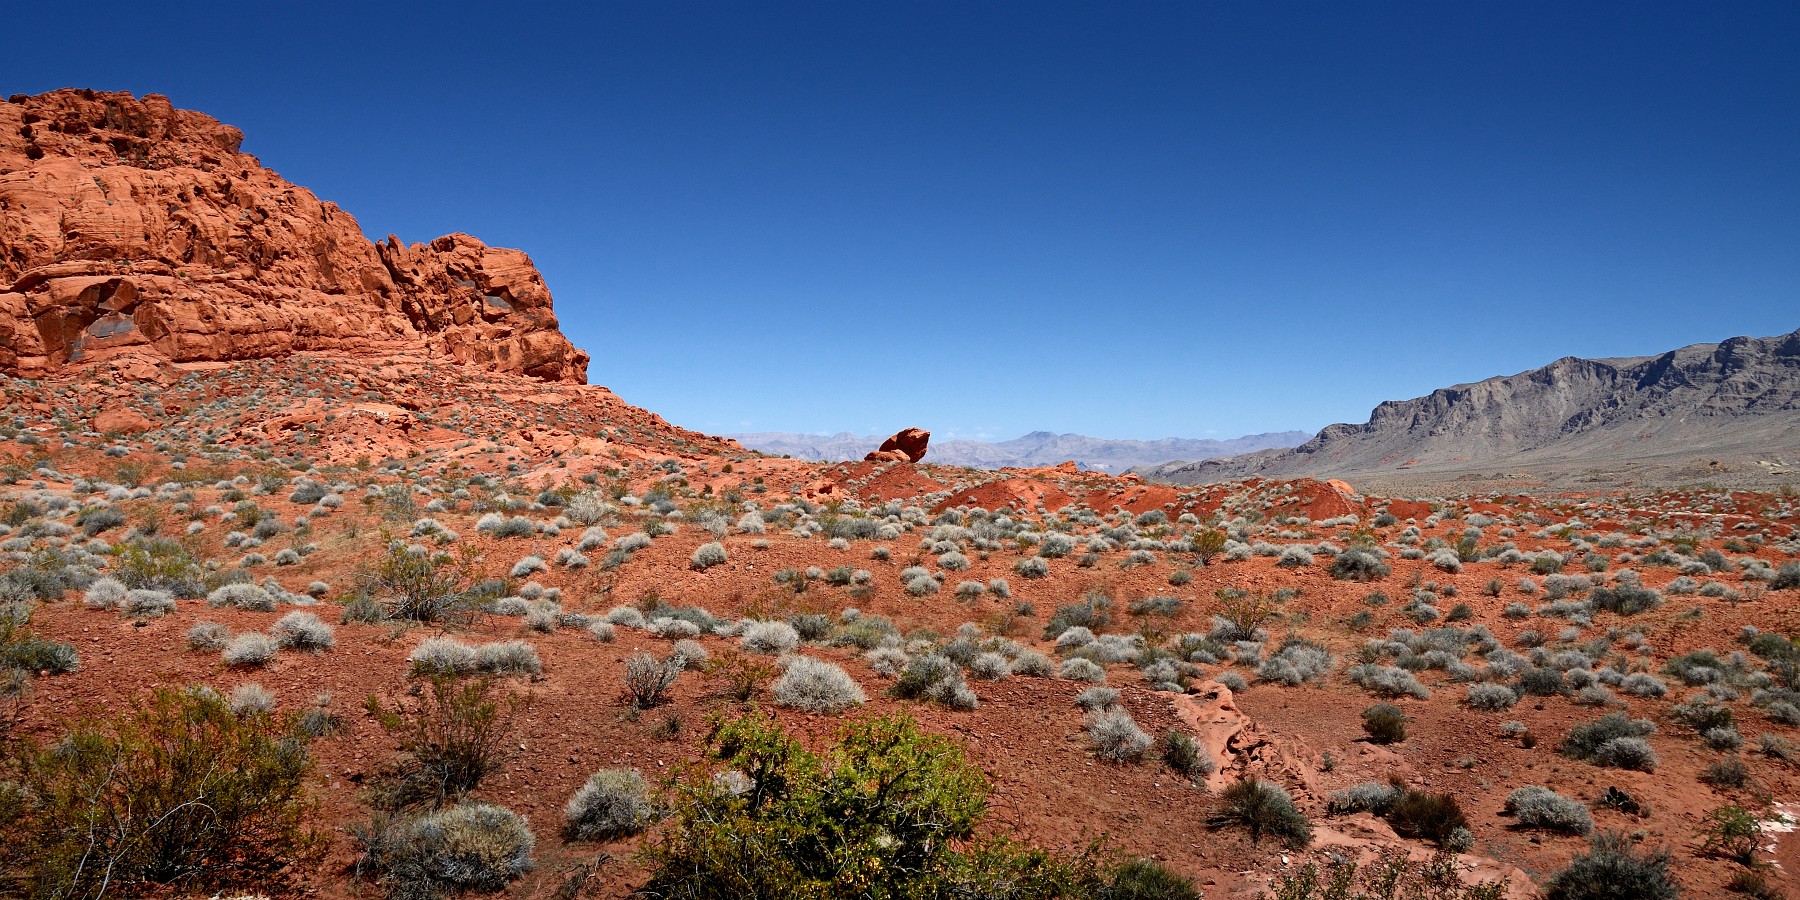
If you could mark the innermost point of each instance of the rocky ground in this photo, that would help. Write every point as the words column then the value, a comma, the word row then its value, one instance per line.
column 298, row 475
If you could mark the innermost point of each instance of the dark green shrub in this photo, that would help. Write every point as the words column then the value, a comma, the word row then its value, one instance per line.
column 181, row 793
column 1626, row 598
column 1147, row 879
column 455, row 734
column 1433, row 817
column 1185, row 755
column 22, row 650
column 1613, row 869
column 890, row 812
column 1385, row 723
column 1262, row 807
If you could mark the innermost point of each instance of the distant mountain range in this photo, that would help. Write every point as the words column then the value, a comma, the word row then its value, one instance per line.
column 1039, row 448
column 1728, row 407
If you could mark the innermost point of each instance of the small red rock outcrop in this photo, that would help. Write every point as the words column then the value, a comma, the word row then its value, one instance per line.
column 907, row 445
column 128, row 224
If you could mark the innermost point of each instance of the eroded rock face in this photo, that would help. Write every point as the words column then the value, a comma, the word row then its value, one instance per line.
column 908, row 444
column 127, row 223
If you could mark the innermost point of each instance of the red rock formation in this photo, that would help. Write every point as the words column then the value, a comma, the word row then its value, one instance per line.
column 908, row 442
column 127, row 223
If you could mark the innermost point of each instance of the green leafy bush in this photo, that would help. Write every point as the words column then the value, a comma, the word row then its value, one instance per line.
column 889, row 812
column 180, row 793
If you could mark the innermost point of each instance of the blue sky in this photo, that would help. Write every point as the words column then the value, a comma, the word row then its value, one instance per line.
column 1121, row 219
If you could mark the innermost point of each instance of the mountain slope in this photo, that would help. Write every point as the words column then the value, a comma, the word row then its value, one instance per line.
column 1039, row 448
column 1737, row 399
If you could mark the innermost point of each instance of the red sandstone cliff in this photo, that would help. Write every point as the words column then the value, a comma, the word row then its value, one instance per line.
column 127, row 223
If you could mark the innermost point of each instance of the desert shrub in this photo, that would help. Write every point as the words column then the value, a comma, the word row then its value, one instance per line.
column 614, row 803
column 1263, row 808
column 242, row 596
column 1357, row 564
column 1185, row 755
column 1542, row 681
column 934, row 677
column 1092, row 612
column 1643, row 684
column 1613, row 869
column 1392, row 874
column 665, row 627
column 468, row 847
column 302, row 631
column 1787, row 578
column 1491, row 697
column 508, row 658
column 1387, row 681
column 207, row 636
column 1584, row 740
column 147, row 604
column 648, row 679
column 625, row 617
column 708, row 555
column 1539, row 807
column 1385, row 723
column 105, row 593
column 1702, row 713
column 1096, row 698
column 1437, row 818
column 1729, row 772
column 456, row 733
column 250, row 698
column 1239, row 614
column 1298, row 661
column 1625, row 753
column 691, row 653
column 1116, row 736
column 817, row 686
column 1370, row 796
column 422, row 585
column 249, row 649
column 771, row 638
column 181, row 794
column 442, row 656
column 1627, row 598
column 990, row 666
column 1078, row 669
column 890, row 811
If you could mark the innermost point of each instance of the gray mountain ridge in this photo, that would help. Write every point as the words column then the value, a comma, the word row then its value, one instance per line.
column 1039, row 448
column 1701, row 411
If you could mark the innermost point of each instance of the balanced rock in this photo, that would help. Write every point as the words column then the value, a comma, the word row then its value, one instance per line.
column 909, row 442
column 129, row 225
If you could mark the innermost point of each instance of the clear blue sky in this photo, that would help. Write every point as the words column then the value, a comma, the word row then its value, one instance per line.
column 1121, row 219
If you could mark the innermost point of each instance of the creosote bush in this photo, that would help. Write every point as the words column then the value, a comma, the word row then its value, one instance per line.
column 891, row 811
column 182, row 794
column 453, row 735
